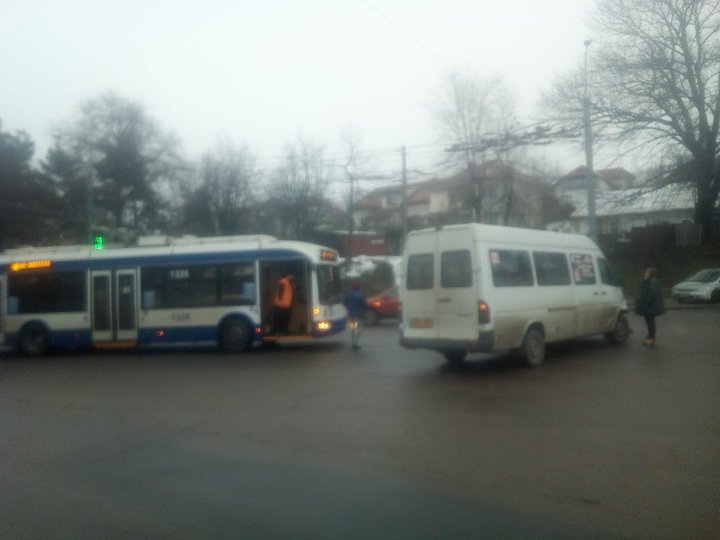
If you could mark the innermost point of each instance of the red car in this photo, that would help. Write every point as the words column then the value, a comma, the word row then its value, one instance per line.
column 385, row 305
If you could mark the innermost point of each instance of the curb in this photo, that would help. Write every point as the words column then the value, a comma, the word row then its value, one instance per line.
column 675, row 305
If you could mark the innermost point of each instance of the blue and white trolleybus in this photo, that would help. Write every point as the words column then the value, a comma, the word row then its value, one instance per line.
column 166, row 291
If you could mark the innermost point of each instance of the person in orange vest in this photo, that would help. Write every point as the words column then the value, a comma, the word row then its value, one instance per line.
column 282, row 305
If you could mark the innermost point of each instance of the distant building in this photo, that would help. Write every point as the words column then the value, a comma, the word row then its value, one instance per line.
column 620, row 211
column 509, row 197
column 573, row 187
column 363, row 242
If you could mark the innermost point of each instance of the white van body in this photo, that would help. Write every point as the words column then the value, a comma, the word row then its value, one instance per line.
column 484, row 288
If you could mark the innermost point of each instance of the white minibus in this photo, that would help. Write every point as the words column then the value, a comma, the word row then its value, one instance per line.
column 484, row 288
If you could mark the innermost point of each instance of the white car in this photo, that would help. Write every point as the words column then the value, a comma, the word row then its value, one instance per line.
column 705, row 285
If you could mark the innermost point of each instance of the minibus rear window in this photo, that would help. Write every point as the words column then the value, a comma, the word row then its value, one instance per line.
column 455, row 269
column 511, row 268
column 420, row 271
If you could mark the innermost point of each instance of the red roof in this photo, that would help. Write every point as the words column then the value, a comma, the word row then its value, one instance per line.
column 419, row 196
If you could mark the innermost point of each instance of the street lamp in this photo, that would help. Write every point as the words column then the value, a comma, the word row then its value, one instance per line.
column 592, row 221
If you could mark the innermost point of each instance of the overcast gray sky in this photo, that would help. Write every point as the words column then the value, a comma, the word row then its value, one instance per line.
column 260, row 72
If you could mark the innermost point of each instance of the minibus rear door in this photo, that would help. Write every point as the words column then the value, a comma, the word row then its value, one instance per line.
column 456, row 296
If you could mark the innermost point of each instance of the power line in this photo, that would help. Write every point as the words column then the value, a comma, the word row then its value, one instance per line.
column 407, row 34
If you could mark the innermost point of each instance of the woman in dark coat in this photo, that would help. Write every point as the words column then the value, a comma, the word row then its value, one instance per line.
column 650, row 303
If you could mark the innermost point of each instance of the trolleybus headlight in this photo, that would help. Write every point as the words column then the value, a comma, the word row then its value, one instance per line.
column 323, row 325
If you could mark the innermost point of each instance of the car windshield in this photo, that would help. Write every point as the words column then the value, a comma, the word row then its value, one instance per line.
column 705, row 276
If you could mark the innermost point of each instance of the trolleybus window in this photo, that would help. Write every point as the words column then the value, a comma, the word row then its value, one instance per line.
column 198, row 286
column 329, row 287
column 46, row 292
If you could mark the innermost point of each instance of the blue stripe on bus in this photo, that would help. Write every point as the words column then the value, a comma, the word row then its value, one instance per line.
column 72, row 339
column 147, row 336
column 175, row 259
column 59, row 339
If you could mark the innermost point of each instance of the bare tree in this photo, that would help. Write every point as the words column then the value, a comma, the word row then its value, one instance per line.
column 224, row 201
column 654, row 80
column 478, row 114
column 297, row 187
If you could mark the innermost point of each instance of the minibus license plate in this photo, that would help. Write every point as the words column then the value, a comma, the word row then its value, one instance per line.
column 421, row 323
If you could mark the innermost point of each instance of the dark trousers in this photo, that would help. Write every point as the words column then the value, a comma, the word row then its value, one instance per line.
column 281, row 318
column 650, row 323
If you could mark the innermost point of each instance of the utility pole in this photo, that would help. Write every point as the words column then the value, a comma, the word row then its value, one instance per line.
column 89, row 232
column 592, row 221
column 404, row 200
column 351, row 221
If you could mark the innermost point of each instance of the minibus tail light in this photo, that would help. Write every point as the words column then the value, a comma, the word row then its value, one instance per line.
column 483, row 312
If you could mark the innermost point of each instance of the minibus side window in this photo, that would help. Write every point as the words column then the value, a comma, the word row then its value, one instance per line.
column 551, row 268
column 511, row 268
column 582, row 268
column 606, row 275
column 420, row 271
column 455, row 269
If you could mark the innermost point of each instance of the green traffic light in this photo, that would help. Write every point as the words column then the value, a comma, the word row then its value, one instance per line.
column 99, row 240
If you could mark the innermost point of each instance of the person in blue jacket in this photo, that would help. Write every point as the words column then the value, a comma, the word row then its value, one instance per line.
column 650, row 304
column 356, row 305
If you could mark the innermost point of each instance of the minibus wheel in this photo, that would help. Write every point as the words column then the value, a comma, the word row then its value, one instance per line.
column 34, row 340
column 235, row 335
column 533, row 347
column 620, row 332
column 455, row 357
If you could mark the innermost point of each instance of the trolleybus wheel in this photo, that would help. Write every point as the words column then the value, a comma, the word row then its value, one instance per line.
column 235, row 335
column 34, row 340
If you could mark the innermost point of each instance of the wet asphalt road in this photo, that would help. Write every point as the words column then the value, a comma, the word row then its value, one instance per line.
column 317, row 441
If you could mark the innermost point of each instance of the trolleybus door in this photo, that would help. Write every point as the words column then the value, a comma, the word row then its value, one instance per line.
column 114, row 309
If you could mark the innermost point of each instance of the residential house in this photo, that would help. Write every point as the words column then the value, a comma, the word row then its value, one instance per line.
column 621, row 212
column 573, row 187
column 508, row 197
